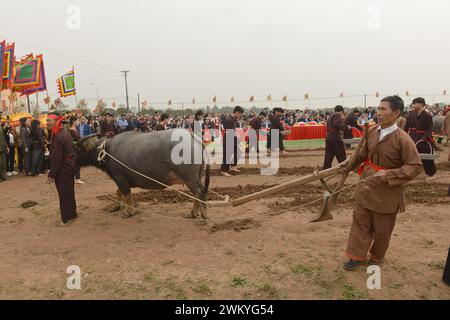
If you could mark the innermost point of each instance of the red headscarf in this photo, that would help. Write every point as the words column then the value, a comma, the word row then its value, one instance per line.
column 58, row 125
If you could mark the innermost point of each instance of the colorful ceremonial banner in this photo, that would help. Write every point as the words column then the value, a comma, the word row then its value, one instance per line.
column 2, row 57
column 66, row 84
column 42, row 85
column 27, row 73
column 8, row 64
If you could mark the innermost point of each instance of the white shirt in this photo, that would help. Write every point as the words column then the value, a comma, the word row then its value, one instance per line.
column 384, row 132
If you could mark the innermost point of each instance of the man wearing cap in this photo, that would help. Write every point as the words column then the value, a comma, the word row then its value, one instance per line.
column 107, row 126
column 334, row 146
column 420, row 128
column 62, row 168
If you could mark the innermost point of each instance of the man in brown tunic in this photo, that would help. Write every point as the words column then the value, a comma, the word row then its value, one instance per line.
column 62, row 168
column 390, row 160
column 334, row 146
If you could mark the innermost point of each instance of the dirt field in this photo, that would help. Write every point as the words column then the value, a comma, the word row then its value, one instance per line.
column 247, row 252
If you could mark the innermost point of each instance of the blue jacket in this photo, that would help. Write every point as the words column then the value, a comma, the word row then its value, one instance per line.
column 86, row 130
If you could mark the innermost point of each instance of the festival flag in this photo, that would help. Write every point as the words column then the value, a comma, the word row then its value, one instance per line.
column 8, row 65
column 285, row 98
column 252, row 99
column 42, row 85
column 269, row 97
column 2, row 57
column 47, row 100
column 27, row 72
column 232, row 99
column 306, row 96
column 66, row 84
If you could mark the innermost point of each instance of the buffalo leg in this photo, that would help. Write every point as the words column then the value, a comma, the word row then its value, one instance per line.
column 118, row 205
column 196, row 188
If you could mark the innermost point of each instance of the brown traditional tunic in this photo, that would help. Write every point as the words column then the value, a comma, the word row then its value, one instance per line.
column 377, row 202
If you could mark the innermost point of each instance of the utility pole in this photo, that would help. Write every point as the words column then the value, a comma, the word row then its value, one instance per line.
column 125, row 73
column 139, row 103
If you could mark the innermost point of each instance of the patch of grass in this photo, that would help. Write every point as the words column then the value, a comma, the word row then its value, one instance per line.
column 429, row 243
column 202, row 288
column 301, row 269
column 175, row 290
column 239, row 282
column 150, row 276
column 326, row 287
column 268, row 290
column 440, row 265
column 395, row 285
column 268, row 269
column 56, row 293
column 352, row 293
column 167, row 263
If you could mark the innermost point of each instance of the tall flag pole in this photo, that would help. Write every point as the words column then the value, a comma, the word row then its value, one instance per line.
column 285, row 99
column 2, row 57
column 76, row 100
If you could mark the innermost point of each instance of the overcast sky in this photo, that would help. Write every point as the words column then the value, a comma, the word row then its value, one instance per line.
column 181, row 49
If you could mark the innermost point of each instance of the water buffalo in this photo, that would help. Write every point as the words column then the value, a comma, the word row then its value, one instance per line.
column 150, row 154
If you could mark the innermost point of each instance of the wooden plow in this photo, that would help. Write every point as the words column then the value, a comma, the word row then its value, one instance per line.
column 330, row 195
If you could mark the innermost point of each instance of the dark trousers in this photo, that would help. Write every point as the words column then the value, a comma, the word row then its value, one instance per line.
column 77, row 173
column 20, row 158
column 65, row 185
column 27, row 160
column 228, row 159
column 11, row 158
column 334, row 149
column 428, row 165
column 37, row 160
